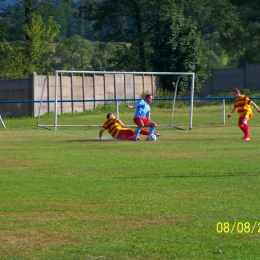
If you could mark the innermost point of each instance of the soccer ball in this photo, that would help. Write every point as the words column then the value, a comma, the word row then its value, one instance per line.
column 152, row 137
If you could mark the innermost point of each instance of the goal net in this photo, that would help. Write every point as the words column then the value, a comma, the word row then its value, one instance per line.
column 78, row 91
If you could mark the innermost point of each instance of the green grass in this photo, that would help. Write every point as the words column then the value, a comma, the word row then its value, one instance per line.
column 67, row 195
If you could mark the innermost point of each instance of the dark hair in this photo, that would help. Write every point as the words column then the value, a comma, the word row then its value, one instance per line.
column 108, row 115
column 148, row 95
column 236, row 90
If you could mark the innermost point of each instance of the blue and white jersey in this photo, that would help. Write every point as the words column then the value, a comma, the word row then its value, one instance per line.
column 142, row 109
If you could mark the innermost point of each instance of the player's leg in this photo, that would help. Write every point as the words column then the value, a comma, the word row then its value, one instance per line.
column 243, row 125
column 132, row 131
column 144, row 132
column 152, row 126
column 126, row 134
column 140, row 124
column 246, row 127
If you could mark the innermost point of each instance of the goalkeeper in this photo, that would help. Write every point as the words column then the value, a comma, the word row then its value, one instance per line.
column 116, row 129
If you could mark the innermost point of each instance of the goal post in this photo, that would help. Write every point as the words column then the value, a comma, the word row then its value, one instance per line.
column 120, row 91
column 2, row 121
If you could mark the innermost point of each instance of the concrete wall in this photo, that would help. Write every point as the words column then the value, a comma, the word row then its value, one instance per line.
column 88, row 87
column 225, row 80
column 13, row 90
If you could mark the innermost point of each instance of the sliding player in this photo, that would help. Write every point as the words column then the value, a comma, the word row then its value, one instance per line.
column 116, row 129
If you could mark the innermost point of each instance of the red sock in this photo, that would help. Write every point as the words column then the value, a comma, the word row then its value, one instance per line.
column 242, row 127
column 246, row 130
column 144, row 132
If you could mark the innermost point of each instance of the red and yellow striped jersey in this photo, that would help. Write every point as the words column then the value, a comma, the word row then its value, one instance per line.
column 112, row 126
column 242, row 104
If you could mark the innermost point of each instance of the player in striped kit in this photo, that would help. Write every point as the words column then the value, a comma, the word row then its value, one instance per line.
column 116, row 129
column 242, row 105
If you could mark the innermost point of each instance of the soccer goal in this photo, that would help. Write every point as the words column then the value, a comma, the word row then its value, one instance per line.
column 77, row 91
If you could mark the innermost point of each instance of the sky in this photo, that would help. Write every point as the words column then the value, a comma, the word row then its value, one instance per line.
column 5, row 3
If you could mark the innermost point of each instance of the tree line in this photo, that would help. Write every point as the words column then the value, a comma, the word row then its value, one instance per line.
column 128, row 35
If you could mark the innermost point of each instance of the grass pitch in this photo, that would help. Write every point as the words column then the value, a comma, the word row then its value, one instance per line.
column 190, row 195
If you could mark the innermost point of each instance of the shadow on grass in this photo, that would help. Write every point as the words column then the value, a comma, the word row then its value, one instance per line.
column 91, row 140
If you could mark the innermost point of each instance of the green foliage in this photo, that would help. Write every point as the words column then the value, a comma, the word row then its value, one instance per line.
column 213, row 51
column 105, row 55
column 125, row 58
column 131, row 20
column 19, row 59
column 77, row 53
column 240, row 35
column 38, row 47
column 177, row 47
column 164, row 35
column 13, row 62
column 74, row 53
column 4, row 30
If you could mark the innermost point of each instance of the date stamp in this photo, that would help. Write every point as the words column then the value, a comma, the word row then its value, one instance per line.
column 238, row 227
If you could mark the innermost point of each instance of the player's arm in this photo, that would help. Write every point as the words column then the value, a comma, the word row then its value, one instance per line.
column 100, row 134
column 120, row 122
column 232, row 112
column 137, row 104
column 255, row 106
column 129, row 106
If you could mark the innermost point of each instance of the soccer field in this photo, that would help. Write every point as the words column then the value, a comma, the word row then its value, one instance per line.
column 191, row 194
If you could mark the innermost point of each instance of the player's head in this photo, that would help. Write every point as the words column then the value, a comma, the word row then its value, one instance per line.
column 110, row 115
column 236, row 92
column 149, row 98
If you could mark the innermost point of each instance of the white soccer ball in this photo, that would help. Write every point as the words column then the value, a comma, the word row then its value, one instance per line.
column 152, row 137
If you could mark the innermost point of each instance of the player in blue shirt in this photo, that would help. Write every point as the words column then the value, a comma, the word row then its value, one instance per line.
column 142, row 116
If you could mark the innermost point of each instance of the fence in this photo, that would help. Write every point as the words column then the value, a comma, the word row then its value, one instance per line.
column 222, row 99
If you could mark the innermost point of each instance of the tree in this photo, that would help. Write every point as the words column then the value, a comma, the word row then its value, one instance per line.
column 12, row 60
column 77, row 53
column 39, row 43
column 215, row 18
column 20, row 15
column 4, row 30
column 74, row 53
column 31, row 30
column 129, row 21
column 20, row 58
column 165, row 39
column 235, row 21
column 240, row 38
column 209, row 14
column 177, row 46
column 214, row 53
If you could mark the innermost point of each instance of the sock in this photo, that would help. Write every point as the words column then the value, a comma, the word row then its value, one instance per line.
column 144, row 132
column 242, row 127
column 246, row 130
column 137, row 131
column 152, row 129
